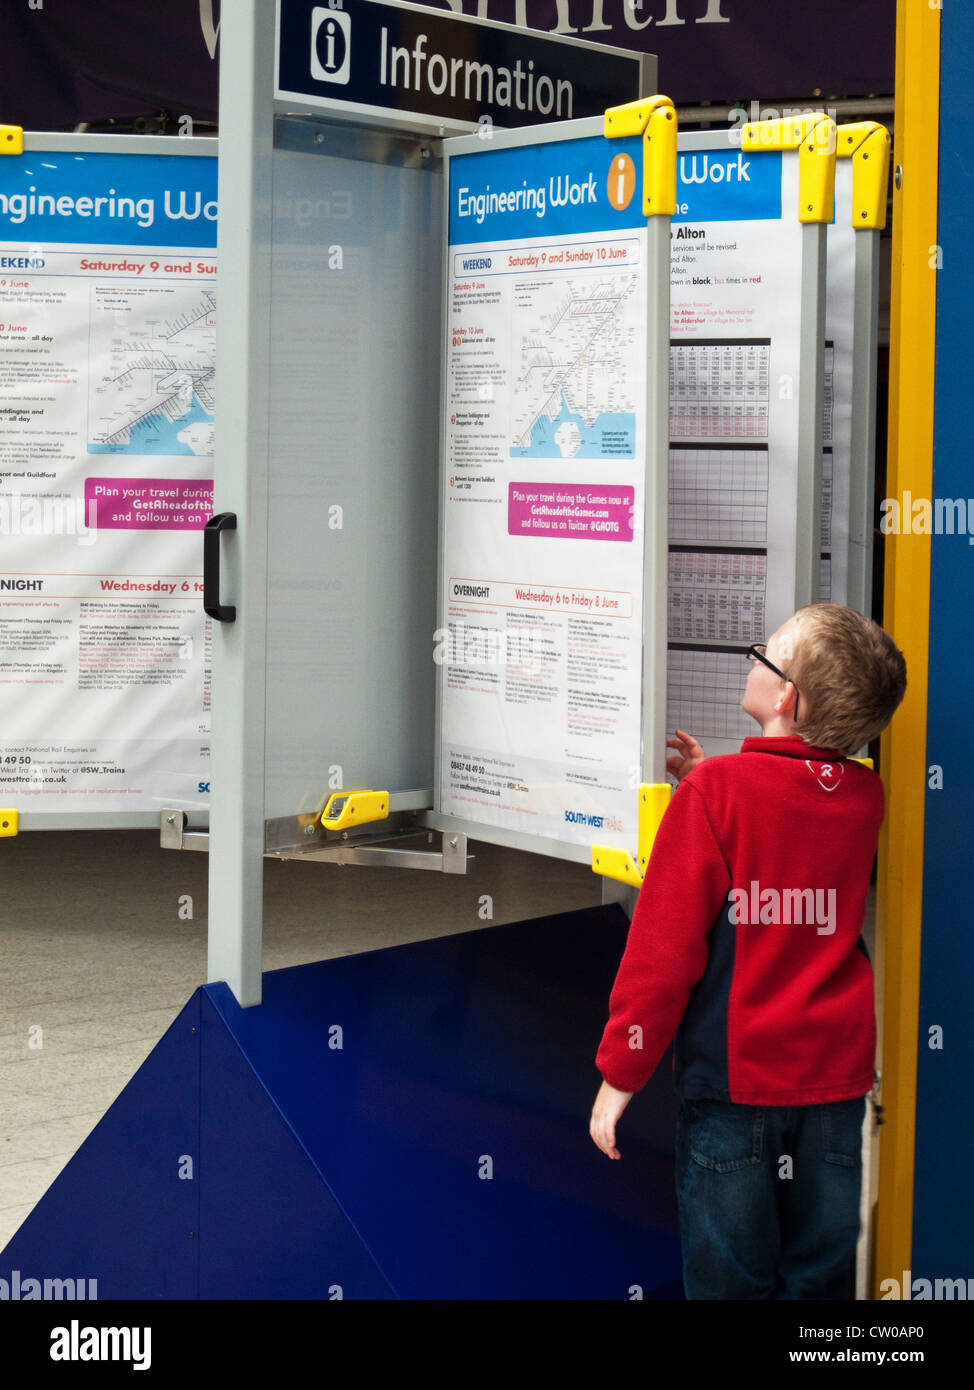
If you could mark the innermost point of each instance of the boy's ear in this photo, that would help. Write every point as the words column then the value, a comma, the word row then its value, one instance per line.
column 786, row 700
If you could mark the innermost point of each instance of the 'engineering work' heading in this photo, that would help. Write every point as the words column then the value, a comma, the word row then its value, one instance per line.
column 560, row 190
column 19, row 206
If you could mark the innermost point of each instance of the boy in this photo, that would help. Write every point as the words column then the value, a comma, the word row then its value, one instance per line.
column 745, row 944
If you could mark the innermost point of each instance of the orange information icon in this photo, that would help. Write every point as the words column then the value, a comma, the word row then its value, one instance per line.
column 621, row 183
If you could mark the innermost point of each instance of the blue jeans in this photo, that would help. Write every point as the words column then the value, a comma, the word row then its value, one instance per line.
column 769, row 1198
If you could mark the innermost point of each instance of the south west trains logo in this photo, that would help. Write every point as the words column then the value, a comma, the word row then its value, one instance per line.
column 331, row 44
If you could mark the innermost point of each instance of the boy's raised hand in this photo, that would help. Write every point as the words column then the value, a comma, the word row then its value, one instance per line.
column 691, row 755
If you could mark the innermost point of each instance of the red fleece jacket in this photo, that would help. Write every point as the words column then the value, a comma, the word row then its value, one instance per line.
column 745, row 942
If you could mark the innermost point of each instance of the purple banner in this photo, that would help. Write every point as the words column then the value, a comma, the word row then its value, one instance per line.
column 108, row 60
column 97, row 61
column 724, row 51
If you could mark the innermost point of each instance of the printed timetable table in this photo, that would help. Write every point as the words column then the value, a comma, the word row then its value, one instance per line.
column 827, row 489
column 703, row 692
column 719, row 388
column 719, row 486
column 828, row 393
column 828, row 474
column 718, row 494
column 717, row 596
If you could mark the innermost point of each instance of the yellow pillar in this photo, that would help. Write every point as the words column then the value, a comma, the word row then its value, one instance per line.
column 906, row 617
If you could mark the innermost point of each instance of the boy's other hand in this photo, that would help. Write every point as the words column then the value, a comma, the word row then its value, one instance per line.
column 690, row 753
column 609, row 1105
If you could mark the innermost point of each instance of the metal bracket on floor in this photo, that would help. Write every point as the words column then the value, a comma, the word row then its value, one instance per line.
column 366, row 827
column 311, row 836
column 174, row 835
column 451, row 858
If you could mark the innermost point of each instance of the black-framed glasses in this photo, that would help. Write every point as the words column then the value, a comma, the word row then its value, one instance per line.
column 757, row 653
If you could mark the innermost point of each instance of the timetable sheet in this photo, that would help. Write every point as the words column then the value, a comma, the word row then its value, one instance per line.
column 734, row 374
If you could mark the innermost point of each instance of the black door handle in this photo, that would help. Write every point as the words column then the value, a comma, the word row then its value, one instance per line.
column 223, row 612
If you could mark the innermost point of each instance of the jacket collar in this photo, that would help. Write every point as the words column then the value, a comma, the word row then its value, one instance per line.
column 791, row 747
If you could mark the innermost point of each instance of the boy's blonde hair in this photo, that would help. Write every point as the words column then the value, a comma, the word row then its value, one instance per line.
column 850, row 675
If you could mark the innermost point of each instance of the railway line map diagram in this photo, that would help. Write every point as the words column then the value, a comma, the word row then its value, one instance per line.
column 572, row 385
column 156, row 349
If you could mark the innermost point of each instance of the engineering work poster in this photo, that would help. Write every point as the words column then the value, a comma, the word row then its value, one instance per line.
column 107, row 354
column 539, row 641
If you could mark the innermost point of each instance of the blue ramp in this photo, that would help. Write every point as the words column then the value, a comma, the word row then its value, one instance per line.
column 404, row 1123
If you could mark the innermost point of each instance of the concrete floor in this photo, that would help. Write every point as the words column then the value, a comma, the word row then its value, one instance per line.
column 96, row 961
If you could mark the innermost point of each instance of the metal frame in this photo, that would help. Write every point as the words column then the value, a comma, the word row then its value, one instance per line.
column 240, row 483
column 121, row 144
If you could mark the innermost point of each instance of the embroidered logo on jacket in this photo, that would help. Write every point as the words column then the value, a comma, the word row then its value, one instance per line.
column 828, row 775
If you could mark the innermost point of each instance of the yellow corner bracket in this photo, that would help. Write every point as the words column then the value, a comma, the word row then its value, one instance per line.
column 11, row 139
column 866, row 762
column 654, row 797
column 867, row 144
column 9, row 823
column 813, row 135
column 616, row 863
column 654, row 118
column 343, row 809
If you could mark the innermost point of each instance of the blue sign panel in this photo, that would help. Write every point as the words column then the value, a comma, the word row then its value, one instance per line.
column 728, row 186
column 109, row 199
column 504, row 195
column 416, row 61
column 540, row 190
